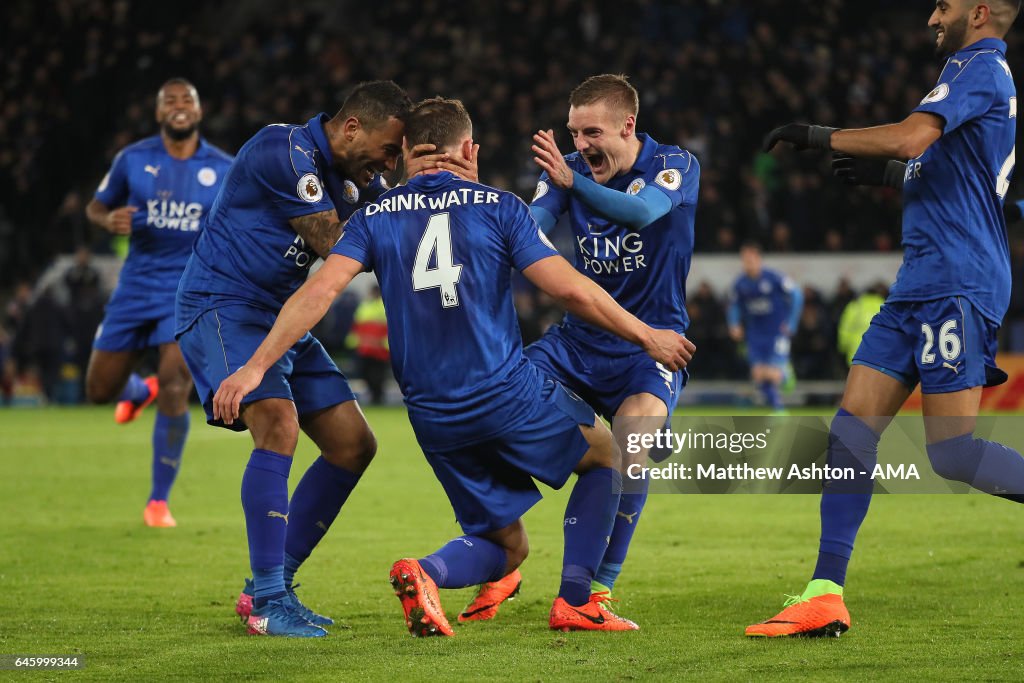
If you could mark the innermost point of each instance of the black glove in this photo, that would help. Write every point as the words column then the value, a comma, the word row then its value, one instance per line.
column 878, row 172
column 801, row 136
column 1012, row 212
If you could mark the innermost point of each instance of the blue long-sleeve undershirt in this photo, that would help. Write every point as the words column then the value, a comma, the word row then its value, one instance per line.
column 635, row 211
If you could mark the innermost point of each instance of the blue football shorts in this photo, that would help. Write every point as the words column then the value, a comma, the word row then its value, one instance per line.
column 771, row 350
column 135, row 323
column 602, row 380
column 944, row 344
column 222, row 340
column 490, row 483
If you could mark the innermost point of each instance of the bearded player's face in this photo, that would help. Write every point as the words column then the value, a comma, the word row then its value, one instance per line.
column 178, row 111
column 949, row 21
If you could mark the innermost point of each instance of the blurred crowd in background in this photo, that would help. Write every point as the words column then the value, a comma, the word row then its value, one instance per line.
column 80, row 76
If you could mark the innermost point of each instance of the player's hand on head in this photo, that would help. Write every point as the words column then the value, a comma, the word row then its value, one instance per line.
column 119, row 221
column 423, row 157
column 736, row 333
column 228, row 399
column 672, row 350
column 550, row 159
column 466, row 169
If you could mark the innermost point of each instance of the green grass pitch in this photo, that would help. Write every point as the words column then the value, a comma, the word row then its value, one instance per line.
column 935, row 587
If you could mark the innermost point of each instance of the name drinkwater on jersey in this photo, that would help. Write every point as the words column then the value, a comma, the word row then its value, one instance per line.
column 419, row 202
column 165, row 214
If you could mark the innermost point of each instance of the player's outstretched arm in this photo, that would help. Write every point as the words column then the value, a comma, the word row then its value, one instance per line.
column 118, row 221
column 581, row 296
column 320, row 231
column 300, row 313
column 637, row 211
column 907, row 139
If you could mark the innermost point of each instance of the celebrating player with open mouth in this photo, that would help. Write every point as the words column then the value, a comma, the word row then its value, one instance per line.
column 631, row 203
column 158, row 192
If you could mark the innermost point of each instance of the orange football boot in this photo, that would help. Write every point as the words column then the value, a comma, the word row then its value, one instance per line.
column 589, row 617
column 157, row 514
column 127, row 411
column 822, row 616
column 490, row 596
column 417, row 592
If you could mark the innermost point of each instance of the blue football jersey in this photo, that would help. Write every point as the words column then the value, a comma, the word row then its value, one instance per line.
column 954, row 234
column 765, row 303
column 249, row 253
column 443, row 250
column 643, row 270
column 173, row 196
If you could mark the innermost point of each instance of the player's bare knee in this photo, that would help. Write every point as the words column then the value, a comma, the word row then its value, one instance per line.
column 603, row 451
column 173, row 396
column 354, row 455
column 97, row 390
column 608, row 450
column 274, row 427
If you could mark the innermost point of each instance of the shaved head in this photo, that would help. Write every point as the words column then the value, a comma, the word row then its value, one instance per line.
column 1003, row 13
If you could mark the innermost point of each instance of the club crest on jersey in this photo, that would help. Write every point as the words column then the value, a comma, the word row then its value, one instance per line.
column 542, row 189
column 670, row 179
column 635, row 186
column 940, row 93
column 206, row 176
column 309, row 189
column 351, row 192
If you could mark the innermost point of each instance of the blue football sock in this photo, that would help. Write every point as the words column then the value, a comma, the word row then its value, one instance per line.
column 465, row 561
column 986, row 465
column 315, row 504
column 291, row 565
column 844, row 503
column 626, row 519
column 267, row 585
column 265, row 502
column 589, row 517
column 771, row 394
column 169, row 435
column 135, row 390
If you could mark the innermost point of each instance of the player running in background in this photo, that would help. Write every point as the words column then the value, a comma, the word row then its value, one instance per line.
column 938, row 326
column 764, row 312
column 488, row 420
column 631, row 204
column 158, row 192
column 282, row 206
